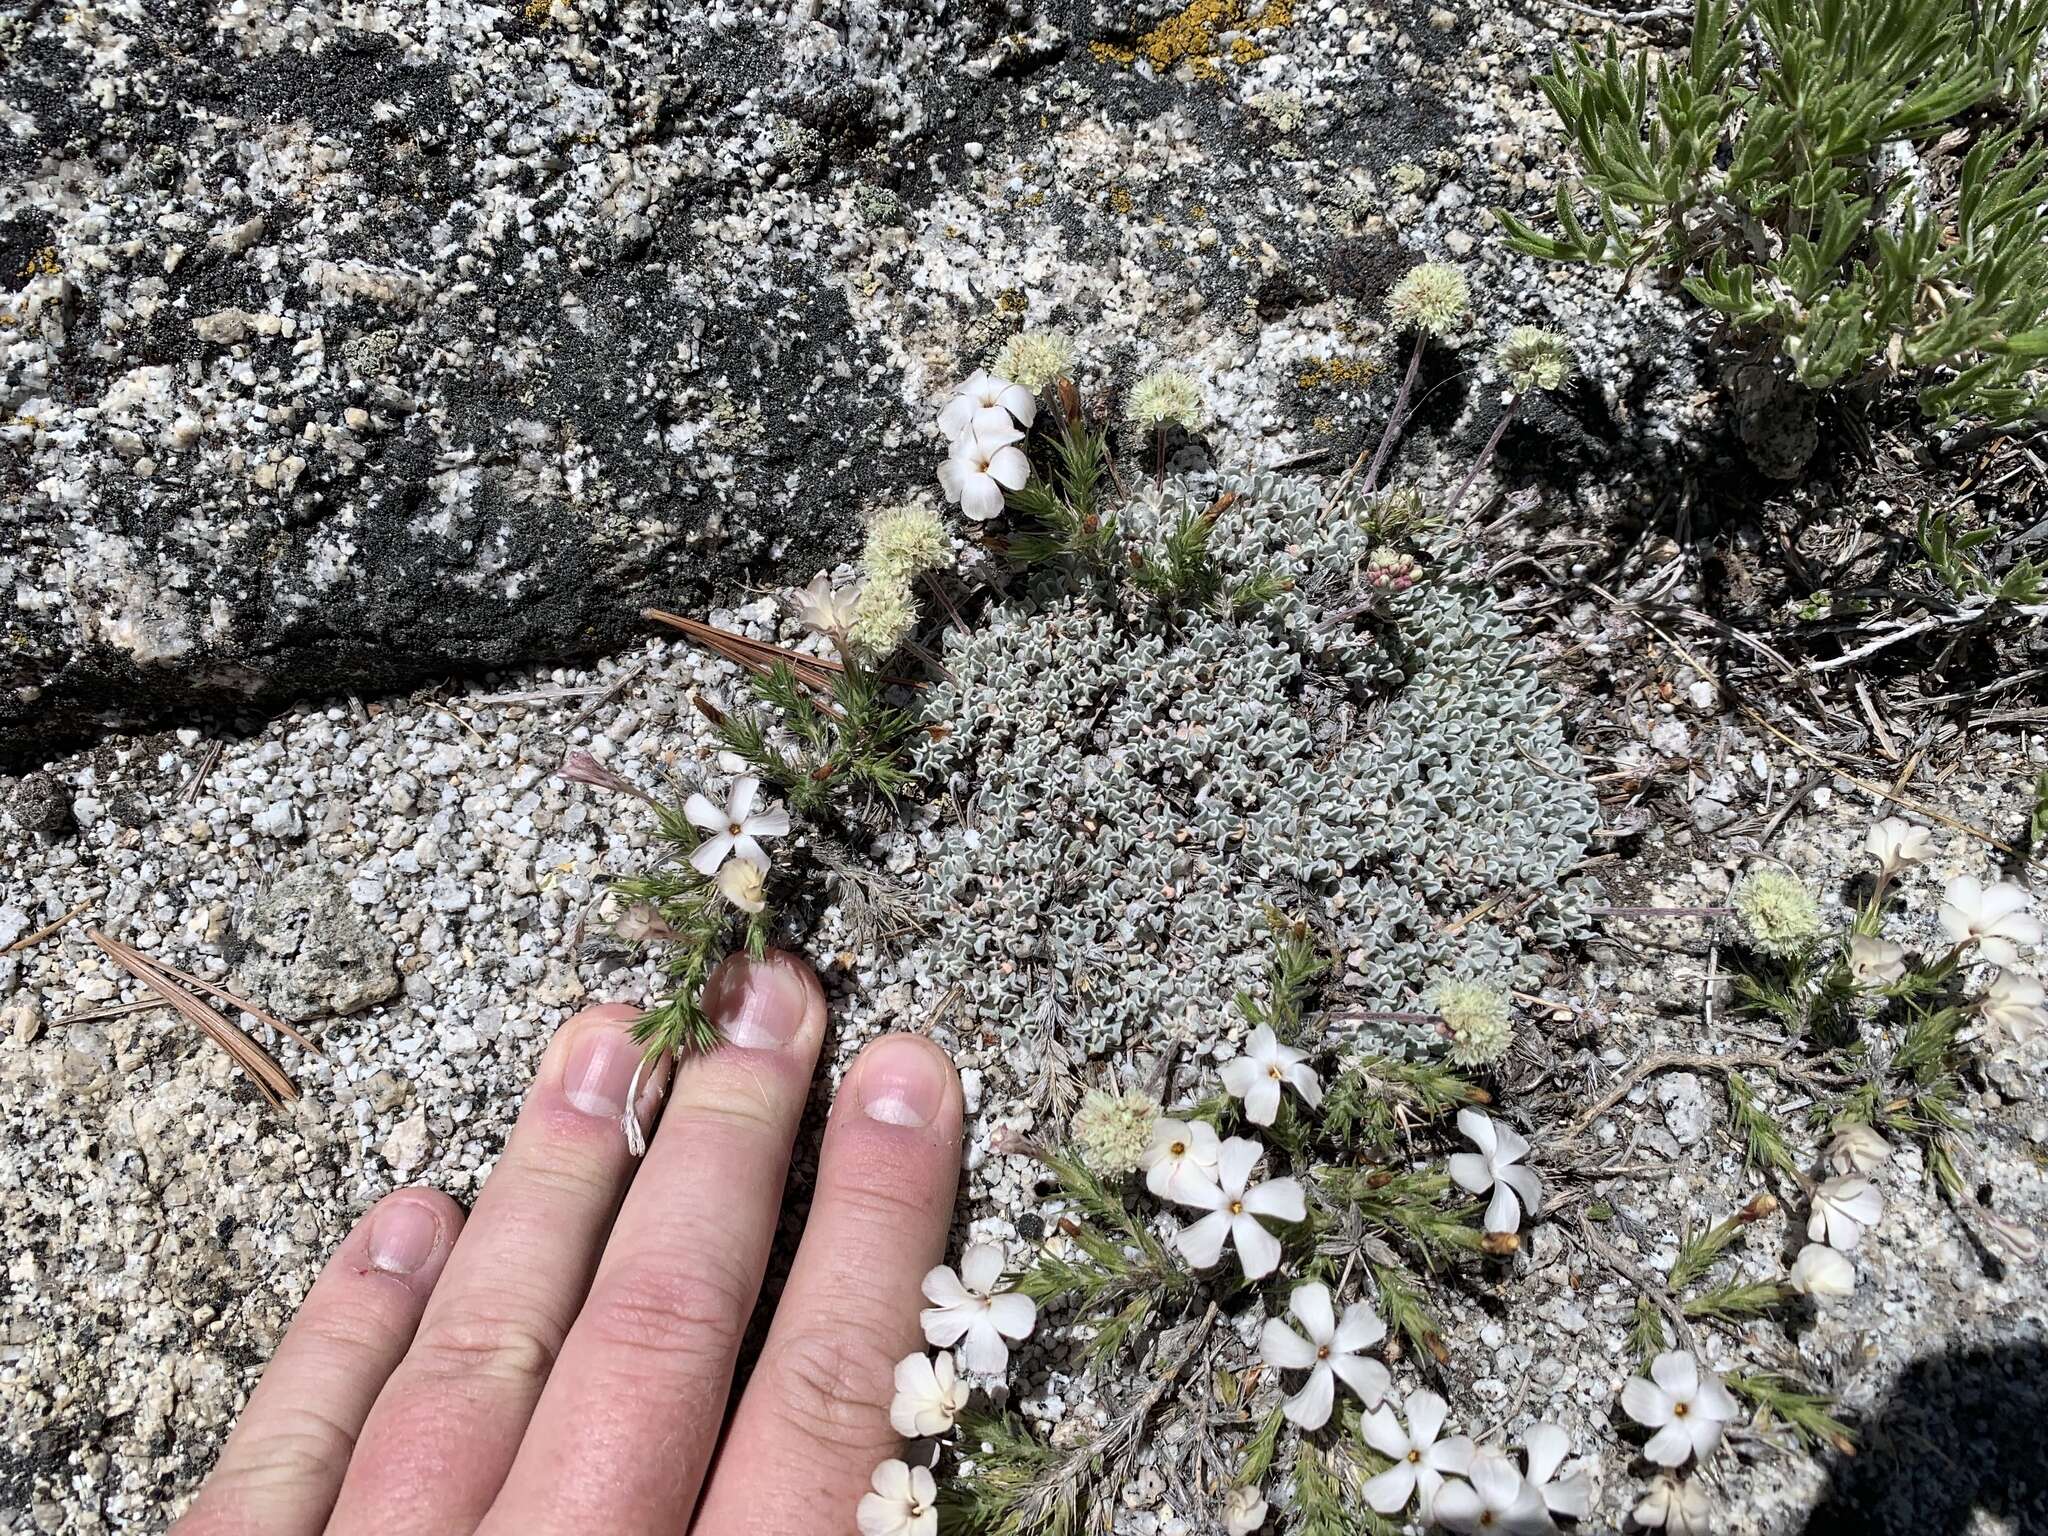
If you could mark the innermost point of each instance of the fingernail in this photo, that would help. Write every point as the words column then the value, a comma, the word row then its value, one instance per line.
column 403, row 1235
column 759, row 1004
column 600, row 1070
column 902, row 1082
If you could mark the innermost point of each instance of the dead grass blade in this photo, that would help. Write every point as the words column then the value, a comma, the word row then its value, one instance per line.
column 260, row 1066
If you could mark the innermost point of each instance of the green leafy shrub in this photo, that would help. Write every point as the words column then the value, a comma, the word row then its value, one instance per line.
column 1851, row 184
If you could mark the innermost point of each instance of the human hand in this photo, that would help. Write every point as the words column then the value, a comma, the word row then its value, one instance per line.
column 561, row 1361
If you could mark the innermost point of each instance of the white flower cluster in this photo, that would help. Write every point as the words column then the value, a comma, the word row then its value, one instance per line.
column 969, row 1314
column 983, row 425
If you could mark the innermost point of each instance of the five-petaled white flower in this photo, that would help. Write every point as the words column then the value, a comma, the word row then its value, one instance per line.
column 1257, row 1076
column 983, row 464
column 929, row 1396
column 1995, row 917
column 1235, row 1205
column 1244, row 1511
column 968, row 1310
column 904, row 1502
column 1498, row 1498
column 1856, row 1148
column 1676, row 1508
column 737, row 828
column 1181, row 1158
column 1844, row 1208
column 825, row 609
column 1420, row 1459
column 1820, row 1271
column 1329, row 1353
column 986, row 402
column 1876, row 962
column 1496, row 1166
column 1895, row 843
column 2012, row 1008
column 1546, row 1446
column 1686, row 1406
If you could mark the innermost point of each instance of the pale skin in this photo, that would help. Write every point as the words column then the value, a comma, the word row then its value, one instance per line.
column 561, row 1359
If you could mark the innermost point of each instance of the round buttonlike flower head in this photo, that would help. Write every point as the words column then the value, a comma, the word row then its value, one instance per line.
column 1896, row 843
column 1244, row 1511
column 982, row 465
column 1496, row 1166
column 929, row 1396
column 884, row 616
column 1497, row 1499
column 1433, row 298
column 1820, row 1271
column 905, row 541
column 1035, row 358
column 1330, row 1353
column 968, row 1310
column 1114, row 1130
column 1476, row 1017
column 1876, row 962
column 1391, row 570
column 1181, row 1159
column 905, row 1502
column 1421, row 1461
column 1994, row 918
column 1777, row 912
column 1676, row 1508
column 1259, row 1074
column 987, row 403
column 1546, row 1446
column 1165, row 398
column 2012, row 1008
column 1857, row 1149
column 1686, row 1406
column 1844, row 1208
column 735, row 828
column 1534, row 358
column 1235, row 1205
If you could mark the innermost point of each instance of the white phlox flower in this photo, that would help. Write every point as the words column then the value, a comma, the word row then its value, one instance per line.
column 1265, row 1067
column 986, row 402
column 1686, row 1406
column 1330, row 1349
column 1993, row 917
column 1496, row 1166
column 1235, row 1205
column 743, row 885
column 1421, row 1461
column 904, row 1502
column 1856, row 1148
column 735, row 828
column 1821, row 1271
column 2012, row 1008
column 1896, row 843
column 984, row 463
column 824, row 609
column 1676, row 1508
column 1546, row 1446
column 929, row 1396
column 1244, row 1511
column 968, row 1310
column 1844, row 1208
column 1181, row 1158
column 1497, row 1498
column 1876, row 962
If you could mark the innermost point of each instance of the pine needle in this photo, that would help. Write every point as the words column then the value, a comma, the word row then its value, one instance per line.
column 252, row 1058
